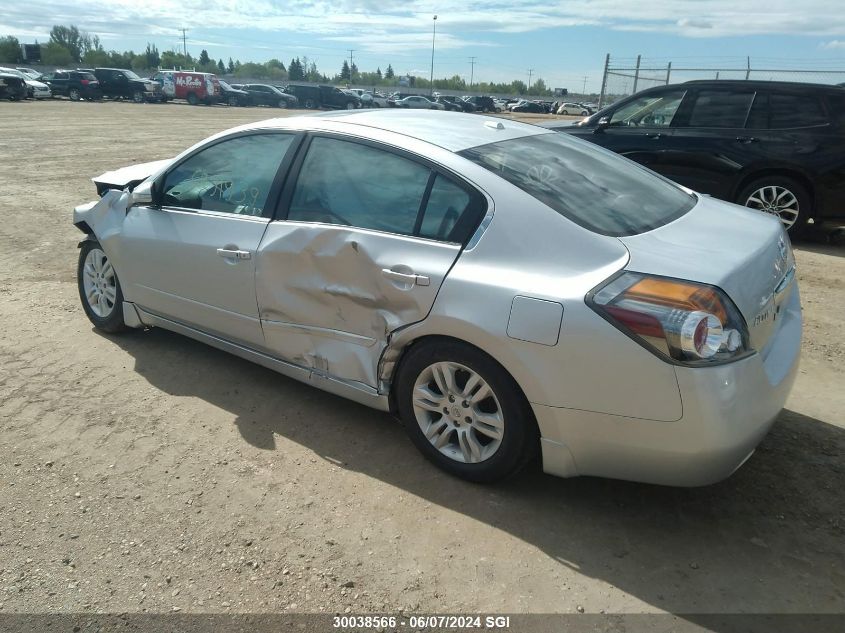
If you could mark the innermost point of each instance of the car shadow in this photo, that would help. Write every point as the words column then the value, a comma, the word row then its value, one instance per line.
column 768, row 539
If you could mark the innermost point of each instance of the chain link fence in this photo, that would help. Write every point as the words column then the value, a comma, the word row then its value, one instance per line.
column 626, row 76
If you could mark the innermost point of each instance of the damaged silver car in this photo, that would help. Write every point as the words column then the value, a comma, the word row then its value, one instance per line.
column 507, row 291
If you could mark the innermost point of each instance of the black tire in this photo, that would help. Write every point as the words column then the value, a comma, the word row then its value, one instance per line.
column 233, row 101
column 283, row 104
column 74, row 94
column 113, row 321
column 520, row 438
column 803, row 197
column 350, row 105
column 310, row 104
column 192, row 99
column 138, row 96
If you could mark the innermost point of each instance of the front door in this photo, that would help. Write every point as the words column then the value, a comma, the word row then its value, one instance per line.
column 192, row 257
column 368, row 239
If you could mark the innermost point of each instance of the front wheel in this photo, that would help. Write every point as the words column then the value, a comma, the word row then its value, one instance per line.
column 780, row 196
column 350, row 105
column 464, row 412
column 74, row 94
column 233, row 101
column 282, row 104
column 99, row 288
column 138, row 96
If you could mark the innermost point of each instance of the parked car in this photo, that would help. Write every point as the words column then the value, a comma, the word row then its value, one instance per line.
column 369, row 99
column 482, row 104
column 418, row 102
column 572, row 109
column 412, row 262
column 313, row 97
column 774, row 146
column 192, row 86
column 119, row 83
column 73, row 84
column 12, row 87
column 267, row 95
column 448, row 104
column 34, row 89
column 528, row 106
column 233, row 96
column 459, row 104
column 31, row 73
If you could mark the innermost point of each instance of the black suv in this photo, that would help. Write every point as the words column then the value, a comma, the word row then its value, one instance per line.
column 12, row 87
column 119, row 83
column 482, row 104
column 774, row 146
column 264, row 94
column 74, row 84
column 312, row 97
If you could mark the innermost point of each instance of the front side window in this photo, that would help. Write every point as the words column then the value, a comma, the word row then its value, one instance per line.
column 594, row 188
column 649, row 111
column 233, row 176
column 721, row 108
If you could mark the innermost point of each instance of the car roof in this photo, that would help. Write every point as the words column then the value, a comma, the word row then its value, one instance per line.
column 757, row 83
column 454, row 131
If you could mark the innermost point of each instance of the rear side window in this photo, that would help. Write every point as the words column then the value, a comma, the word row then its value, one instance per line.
column 836, row 107
column 720, row 108
column 594, row 188
column 795, row 110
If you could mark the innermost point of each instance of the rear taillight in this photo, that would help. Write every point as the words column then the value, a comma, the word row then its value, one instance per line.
column 84, row 82
column 685, row 321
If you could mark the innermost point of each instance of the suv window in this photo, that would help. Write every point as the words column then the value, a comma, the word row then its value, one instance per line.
column 598, row 190
column 721, row 108
column 836, row 106
column 793, row 110
column 654, row 110
column 233, row 176
column 348, row 183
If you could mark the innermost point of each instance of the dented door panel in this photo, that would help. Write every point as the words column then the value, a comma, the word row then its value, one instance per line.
column 330, row 295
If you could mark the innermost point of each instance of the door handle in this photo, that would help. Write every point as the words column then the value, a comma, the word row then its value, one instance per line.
column 653, row 135
column 406, row 278
column 745, row 140
column 233, row 254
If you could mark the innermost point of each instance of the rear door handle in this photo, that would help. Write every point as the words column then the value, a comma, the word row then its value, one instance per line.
column 745, row 140
column 653, row 135
column 407, row 278
column 233, row 254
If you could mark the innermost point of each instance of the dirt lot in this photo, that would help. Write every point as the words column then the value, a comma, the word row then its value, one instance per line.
column 151, row 473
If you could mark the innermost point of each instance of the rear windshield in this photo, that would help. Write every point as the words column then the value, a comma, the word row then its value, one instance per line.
column 593, row 187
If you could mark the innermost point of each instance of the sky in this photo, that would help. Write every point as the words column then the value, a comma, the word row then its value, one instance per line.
column 565, row 43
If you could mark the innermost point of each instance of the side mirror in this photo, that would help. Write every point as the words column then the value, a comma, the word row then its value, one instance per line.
column 602, row 124
column 142, row 195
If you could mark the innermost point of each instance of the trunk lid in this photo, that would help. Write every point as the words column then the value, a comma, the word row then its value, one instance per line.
column 745, row 253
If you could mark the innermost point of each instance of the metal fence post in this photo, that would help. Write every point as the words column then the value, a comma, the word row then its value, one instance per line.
column 668, row 72
column 636, row 75
column 604, row 81
column 748, row 67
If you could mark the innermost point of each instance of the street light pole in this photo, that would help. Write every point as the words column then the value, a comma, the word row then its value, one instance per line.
column 433, row 34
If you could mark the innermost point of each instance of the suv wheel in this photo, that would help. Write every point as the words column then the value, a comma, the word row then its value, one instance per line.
column 464, row 412
column 780, row 196
column 138, row 96
column 350, row 105
column 74, row 94
column 310, row 104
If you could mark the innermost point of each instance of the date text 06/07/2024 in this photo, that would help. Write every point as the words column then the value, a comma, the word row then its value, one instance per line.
column 416, row 622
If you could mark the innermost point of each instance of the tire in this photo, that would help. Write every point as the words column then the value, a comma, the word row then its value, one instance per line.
column 781, row 196
column 583, row 113
column 233, row 101
column 192, row 99
column 282, row 104
column 498, row 452
column 138, row 96
column 350, row 105
column 74, row 94
column 96, row 278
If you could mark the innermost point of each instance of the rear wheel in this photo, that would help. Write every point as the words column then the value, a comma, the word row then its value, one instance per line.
column 192, row 99
column 99, row 288
column 310, row 104
column 464, row 412
column 138, row 96
column 233, row 101
column 350, row 105
column 781, row 196
column 74, row 94
column 282, row 104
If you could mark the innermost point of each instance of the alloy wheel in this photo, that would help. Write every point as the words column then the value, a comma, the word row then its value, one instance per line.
column 99, row 283
column 458, row 412
column 776, row 200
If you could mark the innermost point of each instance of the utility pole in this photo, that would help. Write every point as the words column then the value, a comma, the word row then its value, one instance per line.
column 472, row 71
column 433, row 34
column 604, row 81
column 584, row 89
column 184, row 43
column 351, row 50
column 530, row 72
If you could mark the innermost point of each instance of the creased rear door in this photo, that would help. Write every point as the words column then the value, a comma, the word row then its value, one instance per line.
column 329, row 295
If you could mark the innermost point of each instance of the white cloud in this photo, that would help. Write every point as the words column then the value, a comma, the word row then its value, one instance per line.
column 833, row 44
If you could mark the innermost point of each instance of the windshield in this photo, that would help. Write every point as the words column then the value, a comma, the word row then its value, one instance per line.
column 593, row 187
column 224, row 84
column 131, row 74
column 16, row 73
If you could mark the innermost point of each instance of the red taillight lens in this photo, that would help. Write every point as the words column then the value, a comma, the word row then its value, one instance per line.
column 84, row 82
column 686, row 321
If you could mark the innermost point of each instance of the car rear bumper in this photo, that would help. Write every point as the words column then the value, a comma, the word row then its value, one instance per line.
column 727, row 410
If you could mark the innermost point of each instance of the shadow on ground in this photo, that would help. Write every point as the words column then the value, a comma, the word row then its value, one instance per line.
column 767, row 539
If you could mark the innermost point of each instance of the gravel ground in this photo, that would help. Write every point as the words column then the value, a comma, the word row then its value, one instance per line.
column 148, row 472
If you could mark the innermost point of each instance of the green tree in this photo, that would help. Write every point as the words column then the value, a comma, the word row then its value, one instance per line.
column 231, row 67
column 221, row 67
column 71, row 39
column 54, row 54
column 275, row 63
column 344, row 71
column 353, row 72
column 388, row 74
column 10, row 50
column 204, row 59
column 295, row 70
column 153, row 58
column 378, row 73
column 96, row 57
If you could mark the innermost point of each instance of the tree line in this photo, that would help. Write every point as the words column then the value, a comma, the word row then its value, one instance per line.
column 68, row 46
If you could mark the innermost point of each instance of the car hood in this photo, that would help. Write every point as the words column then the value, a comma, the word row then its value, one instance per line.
column 36, row 84
column 746, row 253
column 129, row 176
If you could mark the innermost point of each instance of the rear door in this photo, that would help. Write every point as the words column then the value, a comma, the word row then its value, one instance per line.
column 192, row 258
column 368, row 236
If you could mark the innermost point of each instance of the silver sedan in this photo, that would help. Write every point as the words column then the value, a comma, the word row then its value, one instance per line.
column 507, row 291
